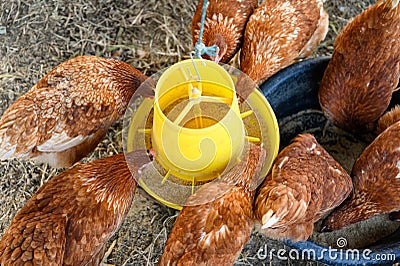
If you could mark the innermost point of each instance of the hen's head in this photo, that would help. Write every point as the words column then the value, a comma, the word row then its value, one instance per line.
column 222, row 32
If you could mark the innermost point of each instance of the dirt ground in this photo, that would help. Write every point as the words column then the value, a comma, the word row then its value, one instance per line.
column 37, row 35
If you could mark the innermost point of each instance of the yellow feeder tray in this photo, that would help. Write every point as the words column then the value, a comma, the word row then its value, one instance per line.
column 198, row 129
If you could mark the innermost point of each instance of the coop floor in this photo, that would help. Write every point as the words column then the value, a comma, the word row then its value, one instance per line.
column 37, row 35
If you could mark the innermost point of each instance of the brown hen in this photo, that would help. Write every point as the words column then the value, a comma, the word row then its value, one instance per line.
column 364, row 70
column 376, row 180
column 68, row 112
column 304, row 184
column 384, row 122
column 70, row 218
column 224, row 25
column 214, row 233
column 278, row 33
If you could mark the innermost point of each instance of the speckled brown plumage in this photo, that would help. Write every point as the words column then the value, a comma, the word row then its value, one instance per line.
column 280, row 32
column 66, row 113
column 304, row 184
column 214, row 233
column 376, row 180
column 364, row 70
column 70, row 218
column 224, row 25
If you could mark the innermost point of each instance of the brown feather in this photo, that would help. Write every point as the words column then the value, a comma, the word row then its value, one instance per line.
column 224, row 25
column 214, row 233
column 364, row 70
column 388, row 119
column 71, row 217
column 280, row 32
column 304, row 184
column 68, row 111
column 376, row 180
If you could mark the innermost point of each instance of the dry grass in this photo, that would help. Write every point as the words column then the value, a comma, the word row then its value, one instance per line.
column 37, row 35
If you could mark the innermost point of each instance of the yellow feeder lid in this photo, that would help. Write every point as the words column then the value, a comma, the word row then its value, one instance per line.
column 197, row 127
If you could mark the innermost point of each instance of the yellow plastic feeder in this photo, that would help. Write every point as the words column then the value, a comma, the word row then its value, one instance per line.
column 197, row 128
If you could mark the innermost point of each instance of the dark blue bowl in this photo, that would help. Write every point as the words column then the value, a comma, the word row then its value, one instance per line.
column 293, row 90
